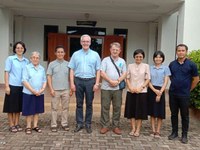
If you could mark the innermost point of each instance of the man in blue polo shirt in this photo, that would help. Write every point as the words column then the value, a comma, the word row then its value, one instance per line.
column 84, row 81
column 184, row 78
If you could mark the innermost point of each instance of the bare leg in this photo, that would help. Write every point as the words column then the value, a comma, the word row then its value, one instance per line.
column 159, row 122
column 35, row 120
column 28, row 121
column 138, row 126
column 16, row 121
column 10, row 119
column 153, row 124
column 133, row 124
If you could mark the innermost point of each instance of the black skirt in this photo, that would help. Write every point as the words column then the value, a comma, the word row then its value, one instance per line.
column 13, row 102
column 136, row 106
column 156, row 109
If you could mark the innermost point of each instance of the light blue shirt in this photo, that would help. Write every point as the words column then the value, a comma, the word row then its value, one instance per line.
column 14, row 66
column 158, row 75
column 36, row 77
column 85, row 64
column 108, row 67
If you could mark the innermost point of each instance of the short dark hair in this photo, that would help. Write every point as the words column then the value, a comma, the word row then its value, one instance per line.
column 59, row 46
column 138, row 51
column 156, row 53
column 22, row 44
column 182, row 45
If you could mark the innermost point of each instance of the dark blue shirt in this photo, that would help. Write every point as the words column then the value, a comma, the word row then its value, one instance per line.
column 181, row 77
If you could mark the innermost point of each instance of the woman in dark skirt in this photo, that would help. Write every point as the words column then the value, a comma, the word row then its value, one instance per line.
column 34, row 81
column 156, row 92
column 138, row 76
column 13, row 85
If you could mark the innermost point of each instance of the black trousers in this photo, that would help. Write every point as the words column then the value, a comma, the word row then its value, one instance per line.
column 177, row 103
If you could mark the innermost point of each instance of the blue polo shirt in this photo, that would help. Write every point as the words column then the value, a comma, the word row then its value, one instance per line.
column 14, row 67
column 35, row 76
column 158, row 75
column 181, row 77
column 85, row 63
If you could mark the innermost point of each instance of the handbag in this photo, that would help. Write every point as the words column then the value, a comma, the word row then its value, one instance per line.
column 122, row 84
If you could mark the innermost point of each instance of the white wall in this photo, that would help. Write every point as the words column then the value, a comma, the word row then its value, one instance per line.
column 192, row 24
column 6, row 37
column 33, row 33
column 168, row 35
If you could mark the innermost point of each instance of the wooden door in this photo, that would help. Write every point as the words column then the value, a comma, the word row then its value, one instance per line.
column 55, row 39
column 108, row 39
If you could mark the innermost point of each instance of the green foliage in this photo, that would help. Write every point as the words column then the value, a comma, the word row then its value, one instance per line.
column 195, row 94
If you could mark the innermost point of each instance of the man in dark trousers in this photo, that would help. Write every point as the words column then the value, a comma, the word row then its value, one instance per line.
column 84, row 81
column 184, row 78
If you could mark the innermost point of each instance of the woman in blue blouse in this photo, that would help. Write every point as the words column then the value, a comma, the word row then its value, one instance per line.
column 34, row 81
column 156, row 92
column 13, row 85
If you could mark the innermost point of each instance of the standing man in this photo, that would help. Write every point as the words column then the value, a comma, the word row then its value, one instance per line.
column 110, row 91
column 184, row 78
column 58, row 81
column 84, row 80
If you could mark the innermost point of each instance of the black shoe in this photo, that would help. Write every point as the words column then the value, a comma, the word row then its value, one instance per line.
column 78, row 128
column 184, row 139
column 89, row 130
column 173, row 136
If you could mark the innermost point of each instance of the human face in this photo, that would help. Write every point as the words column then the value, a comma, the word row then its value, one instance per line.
column 35, row 59
column 115, row 51
column 158, row 60
column 181, row 52
column 60, row 53
column 138, row 58
column 86, row 42
column 19, row 49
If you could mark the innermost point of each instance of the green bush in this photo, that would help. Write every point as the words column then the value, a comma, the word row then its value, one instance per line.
column 195, row 94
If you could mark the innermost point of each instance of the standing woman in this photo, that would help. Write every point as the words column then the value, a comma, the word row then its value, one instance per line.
column 156, row 92
column 13, row 85
column 138, row 77
column 34, row 81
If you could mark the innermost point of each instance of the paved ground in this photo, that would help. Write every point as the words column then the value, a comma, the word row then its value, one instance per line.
column 82, row 141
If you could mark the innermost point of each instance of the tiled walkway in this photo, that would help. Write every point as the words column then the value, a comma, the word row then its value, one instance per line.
column 95, row 141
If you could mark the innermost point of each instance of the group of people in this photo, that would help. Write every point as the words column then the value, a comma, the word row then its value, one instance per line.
column 25, row 84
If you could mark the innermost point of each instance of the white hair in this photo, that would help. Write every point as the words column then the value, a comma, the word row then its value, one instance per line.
column 85, row 35
column 35, row 52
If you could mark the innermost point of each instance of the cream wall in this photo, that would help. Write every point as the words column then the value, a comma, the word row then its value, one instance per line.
column 6, row 38
column 189, row 24
column 138, row 33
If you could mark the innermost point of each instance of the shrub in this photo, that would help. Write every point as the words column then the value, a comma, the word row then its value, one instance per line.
column 195, row 94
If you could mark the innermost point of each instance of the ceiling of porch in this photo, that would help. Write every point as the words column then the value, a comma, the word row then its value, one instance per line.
column 106, row 10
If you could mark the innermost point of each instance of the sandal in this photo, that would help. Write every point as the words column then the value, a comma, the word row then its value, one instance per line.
column 37, row 129
column 132, row 132
column 18, row 127
column 66, row 128
column 136, row 134
column 28, row 130
column 54, row 129
column 13, row 129
column 157, row 135
column 152, row 134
